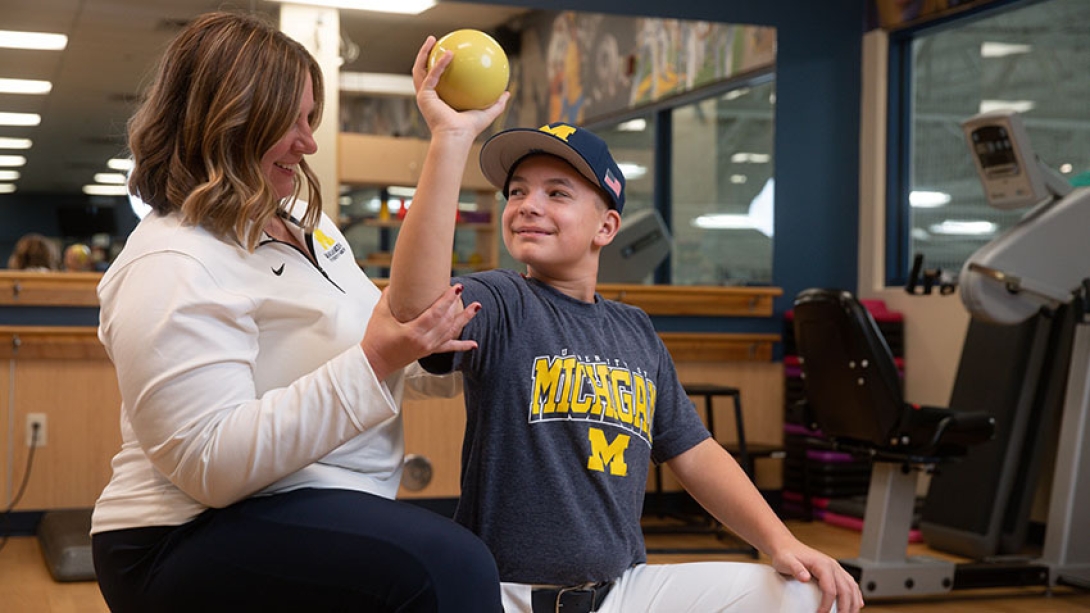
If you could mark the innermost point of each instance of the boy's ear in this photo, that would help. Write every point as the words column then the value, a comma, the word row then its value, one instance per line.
column 611, row 223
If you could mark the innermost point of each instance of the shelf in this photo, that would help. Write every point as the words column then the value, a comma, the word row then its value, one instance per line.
column 384, row 161
column 698, row 300
column 396, row 223
column 367, row 159
column 384, row 259
column 54, row 288
column 384, row 263
column 51, row 342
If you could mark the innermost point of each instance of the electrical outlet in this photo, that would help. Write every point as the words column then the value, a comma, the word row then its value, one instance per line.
column 40, row 421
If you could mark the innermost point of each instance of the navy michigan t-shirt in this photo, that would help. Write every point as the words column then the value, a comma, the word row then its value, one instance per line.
column 566, row 404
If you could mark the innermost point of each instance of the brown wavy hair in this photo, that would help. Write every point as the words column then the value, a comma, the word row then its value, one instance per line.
column 226, row 90
column 34, row 251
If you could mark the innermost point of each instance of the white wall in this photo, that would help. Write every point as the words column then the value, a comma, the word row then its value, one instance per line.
column 318, row 29
column 935, row 325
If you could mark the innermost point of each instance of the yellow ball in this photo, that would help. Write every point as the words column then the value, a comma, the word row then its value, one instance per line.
column 478, row 72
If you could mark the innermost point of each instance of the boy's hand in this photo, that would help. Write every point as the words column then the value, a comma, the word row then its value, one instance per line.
column 440, row 117
column 391, row 345
column 806, row 564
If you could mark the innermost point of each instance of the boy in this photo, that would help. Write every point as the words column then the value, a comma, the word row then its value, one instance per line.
column 570, row 396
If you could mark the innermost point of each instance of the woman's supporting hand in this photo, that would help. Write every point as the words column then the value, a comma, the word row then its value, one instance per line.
column 391, row 345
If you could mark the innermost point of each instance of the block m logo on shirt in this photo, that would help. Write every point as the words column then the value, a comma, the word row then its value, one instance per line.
column 604, row 453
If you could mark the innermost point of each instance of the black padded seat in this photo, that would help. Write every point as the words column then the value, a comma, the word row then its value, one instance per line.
column 854, row 393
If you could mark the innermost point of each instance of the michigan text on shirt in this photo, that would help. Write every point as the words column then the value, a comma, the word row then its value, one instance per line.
column 570, row 387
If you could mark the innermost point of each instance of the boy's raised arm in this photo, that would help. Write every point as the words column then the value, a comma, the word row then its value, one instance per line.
column 420, row 271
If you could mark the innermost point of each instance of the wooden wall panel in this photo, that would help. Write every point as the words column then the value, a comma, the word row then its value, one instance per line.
column 433, row 429
column 760, row 386
column 6, row 435
column 82, row 406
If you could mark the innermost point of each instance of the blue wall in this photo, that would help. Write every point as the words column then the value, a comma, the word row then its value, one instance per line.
column 818, row 85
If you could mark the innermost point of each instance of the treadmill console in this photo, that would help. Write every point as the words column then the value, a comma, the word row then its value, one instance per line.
column 1009, row 172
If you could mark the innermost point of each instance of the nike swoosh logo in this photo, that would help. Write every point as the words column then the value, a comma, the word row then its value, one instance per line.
column 278, row 271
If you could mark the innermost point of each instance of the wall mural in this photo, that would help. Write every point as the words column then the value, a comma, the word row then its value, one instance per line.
column 892, row 14
column 596, row 65
column 577, row 67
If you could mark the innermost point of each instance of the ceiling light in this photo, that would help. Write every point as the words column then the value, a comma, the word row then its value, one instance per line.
column 920, row 199
column 738, row 179
column 750, row 158
column 20, row 119
column 952, row 227
column 32, row 40
column 105, row 190
column 1019, row 106
column 11, row 161
column 377, row 83
column 15, row 143
column 404, row 7
column 993, row 49
column 633, row 125
column 24, row 86
column 122, row 164
column 723, row 221
column 7, row 188
column 632, row 171
column 112, row 178
column 1066, row 168
column 9, row 175
column 735, row 94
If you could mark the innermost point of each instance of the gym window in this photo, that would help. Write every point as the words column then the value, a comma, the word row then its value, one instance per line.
column 1027, row 56
column 705, row 162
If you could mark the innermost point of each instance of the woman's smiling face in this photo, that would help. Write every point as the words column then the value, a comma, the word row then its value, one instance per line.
column 281, row 161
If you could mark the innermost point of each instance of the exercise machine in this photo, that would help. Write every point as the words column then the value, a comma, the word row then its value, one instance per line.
column 1041, row 264
column 1027, row 291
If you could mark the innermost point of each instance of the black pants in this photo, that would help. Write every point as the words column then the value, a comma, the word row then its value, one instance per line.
column 307, row 550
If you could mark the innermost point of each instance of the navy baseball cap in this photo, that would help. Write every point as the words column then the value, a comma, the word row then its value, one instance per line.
column 581, row 148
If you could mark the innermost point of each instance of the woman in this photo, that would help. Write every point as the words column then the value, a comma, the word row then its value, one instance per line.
column 262, row 440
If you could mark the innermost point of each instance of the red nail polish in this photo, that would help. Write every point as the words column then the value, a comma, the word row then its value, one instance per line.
column 458, row 290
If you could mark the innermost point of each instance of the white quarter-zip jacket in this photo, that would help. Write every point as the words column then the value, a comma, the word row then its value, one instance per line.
column 240, row 373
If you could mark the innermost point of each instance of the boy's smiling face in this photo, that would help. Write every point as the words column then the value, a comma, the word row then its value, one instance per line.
column 555, row 220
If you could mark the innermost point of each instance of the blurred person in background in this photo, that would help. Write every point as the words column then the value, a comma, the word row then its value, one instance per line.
column 36, row 253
